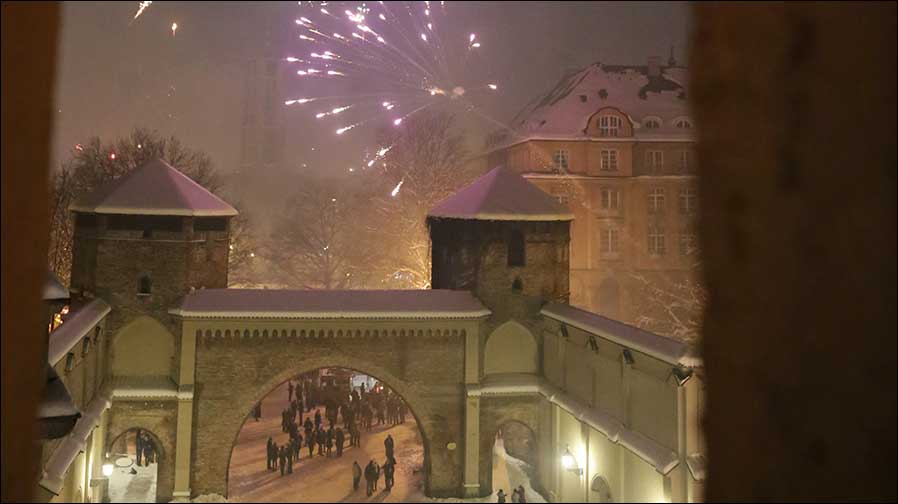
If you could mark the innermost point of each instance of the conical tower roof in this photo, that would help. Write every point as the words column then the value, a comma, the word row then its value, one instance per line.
column 155, row 188
column 501, row 194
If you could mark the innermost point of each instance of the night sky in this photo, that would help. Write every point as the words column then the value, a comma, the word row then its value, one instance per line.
column 116, row 75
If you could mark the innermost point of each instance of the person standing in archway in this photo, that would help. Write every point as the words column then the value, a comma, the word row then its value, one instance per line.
column 317, row 419
column 340, row 440
column 388, row 446
column 138, row 446
column 369, row 477
column 310, row 443
column 389, row 470
column 268, row 447
column 330, row 440
column 282, row 459
column 356, row 475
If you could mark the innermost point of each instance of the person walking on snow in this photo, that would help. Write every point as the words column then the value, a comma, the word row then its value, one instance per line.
column 356, row 475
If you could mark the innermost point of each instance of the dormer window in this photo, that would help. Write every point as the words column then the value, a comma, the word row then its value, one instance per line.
column 516, row 249
column 683, row 123
column 144, row 285
column 609, row 126
column 652, row 123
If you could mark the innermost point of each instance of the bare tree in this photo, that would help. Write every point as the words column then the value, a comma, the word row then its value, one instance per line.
column 94, row 163
column 425, row 164
column 670, row 305
column 319, row 241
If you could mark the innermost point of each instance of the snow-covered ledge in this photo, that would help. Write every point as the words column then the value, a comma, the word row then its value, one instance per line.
column 53, row 476
column 663, row 459
column 668, row 350
column 152, row 387
column 75, row 327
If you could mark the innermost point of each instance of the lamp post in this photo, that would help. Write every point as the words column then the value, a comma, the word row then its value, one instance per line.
column 569, row 462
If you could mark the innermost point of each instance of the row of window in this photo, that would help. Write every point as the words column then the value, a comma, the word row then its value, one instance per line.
column 610, row 125
column 610, row 199
column 609, row 241
column 608, row 160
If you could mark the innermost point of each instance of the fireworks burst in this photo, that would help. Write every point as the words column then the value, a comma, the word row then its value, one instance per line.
column 408, row 56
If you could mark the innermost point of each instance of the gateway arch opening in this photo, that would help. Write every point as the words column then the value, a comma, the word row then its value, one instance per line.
column 327, row 435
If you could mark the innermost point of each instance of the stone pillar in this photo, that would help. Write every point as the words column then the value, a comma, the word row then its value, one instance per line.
column 472, row 447
column 795, row 109
column 184, row 436
column 472, row 415
column 680, row 475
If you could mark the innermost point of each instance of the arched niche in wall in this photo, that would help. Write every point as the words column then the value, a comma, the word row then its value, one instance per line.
column 510, row 349
column 143, row 347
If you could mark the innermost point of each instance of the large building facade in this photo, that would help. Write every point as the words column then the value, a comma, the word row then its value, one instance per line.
column 615, row 143
column 614, row 410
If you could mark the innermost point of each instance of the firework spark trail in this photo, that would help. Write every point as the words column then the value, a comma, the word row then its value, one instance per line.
column 142, row 6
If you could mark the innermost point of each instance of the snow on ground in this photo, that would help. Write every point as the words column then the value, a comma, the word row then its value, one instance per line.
column 127, row 487
column 323, row 479
column 508, row 473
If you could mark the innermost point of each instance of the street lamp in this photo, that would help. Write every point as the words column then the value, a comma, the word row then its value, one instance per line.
column 569, row 463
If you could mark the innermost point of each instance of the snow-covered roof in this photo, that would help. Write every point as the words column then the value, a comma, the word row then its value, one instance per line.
column 501, row 194
column 697, row 466
column 56, row 401
column 566, row 109
column 155, row 188
column 143, row 387
column 662, row 458
column 53, row 288
column 75, row 327
column 57, row 465
column 330, row 304
column 666, row 349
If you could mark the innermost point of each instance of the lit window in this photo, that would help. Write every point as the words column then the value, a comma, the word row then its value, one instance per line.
column 609, row 160
column 688, row 200
column 609, row 241
column 683, row 124
column 656, row 241
column 687, row 243
column 652, row 123
column 561, row 158
column 654, row 161
column 656, row 200
column 610, row 199
column 609, row 126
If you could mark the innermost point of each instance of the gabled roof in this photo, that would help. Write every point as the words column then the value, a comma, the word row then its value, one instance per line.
column 330, row 304
column 566, row 108
column 155, row 188
column 501, row 194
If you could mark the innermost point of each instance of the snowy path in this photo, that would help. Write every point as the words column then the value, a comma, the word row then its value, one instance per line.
column 320, row 479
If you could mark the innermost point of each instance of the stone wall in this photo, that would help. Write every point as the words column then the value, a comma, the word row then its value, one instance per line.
column 233, row 373
column 160, row 419
column 496, row 412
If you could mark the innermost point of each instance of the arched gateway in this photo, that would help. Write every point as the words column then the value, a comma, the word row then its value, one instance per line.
column 493, row 342
column 243, row 343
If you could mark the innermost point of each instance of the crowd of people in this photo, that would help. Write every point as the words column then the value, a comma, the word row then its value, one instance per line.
column 345, row 412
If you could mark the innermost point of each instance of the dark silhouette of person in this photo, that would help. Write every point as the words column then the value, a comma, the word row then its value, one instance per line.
column 356, row 475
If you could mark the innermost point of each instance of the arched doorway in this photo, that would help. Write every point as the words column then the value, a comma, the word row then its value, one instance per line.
column 349, row 404
column 515, row 460
column 135, row 455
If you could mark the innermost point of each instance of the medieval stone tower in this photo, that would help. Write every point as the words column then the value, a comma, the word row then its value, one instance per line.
column 506, row 241
column 141, row 243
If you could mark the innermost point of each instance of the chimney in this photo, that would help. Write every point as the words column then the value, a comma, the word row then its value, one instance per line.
column 654, row 66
